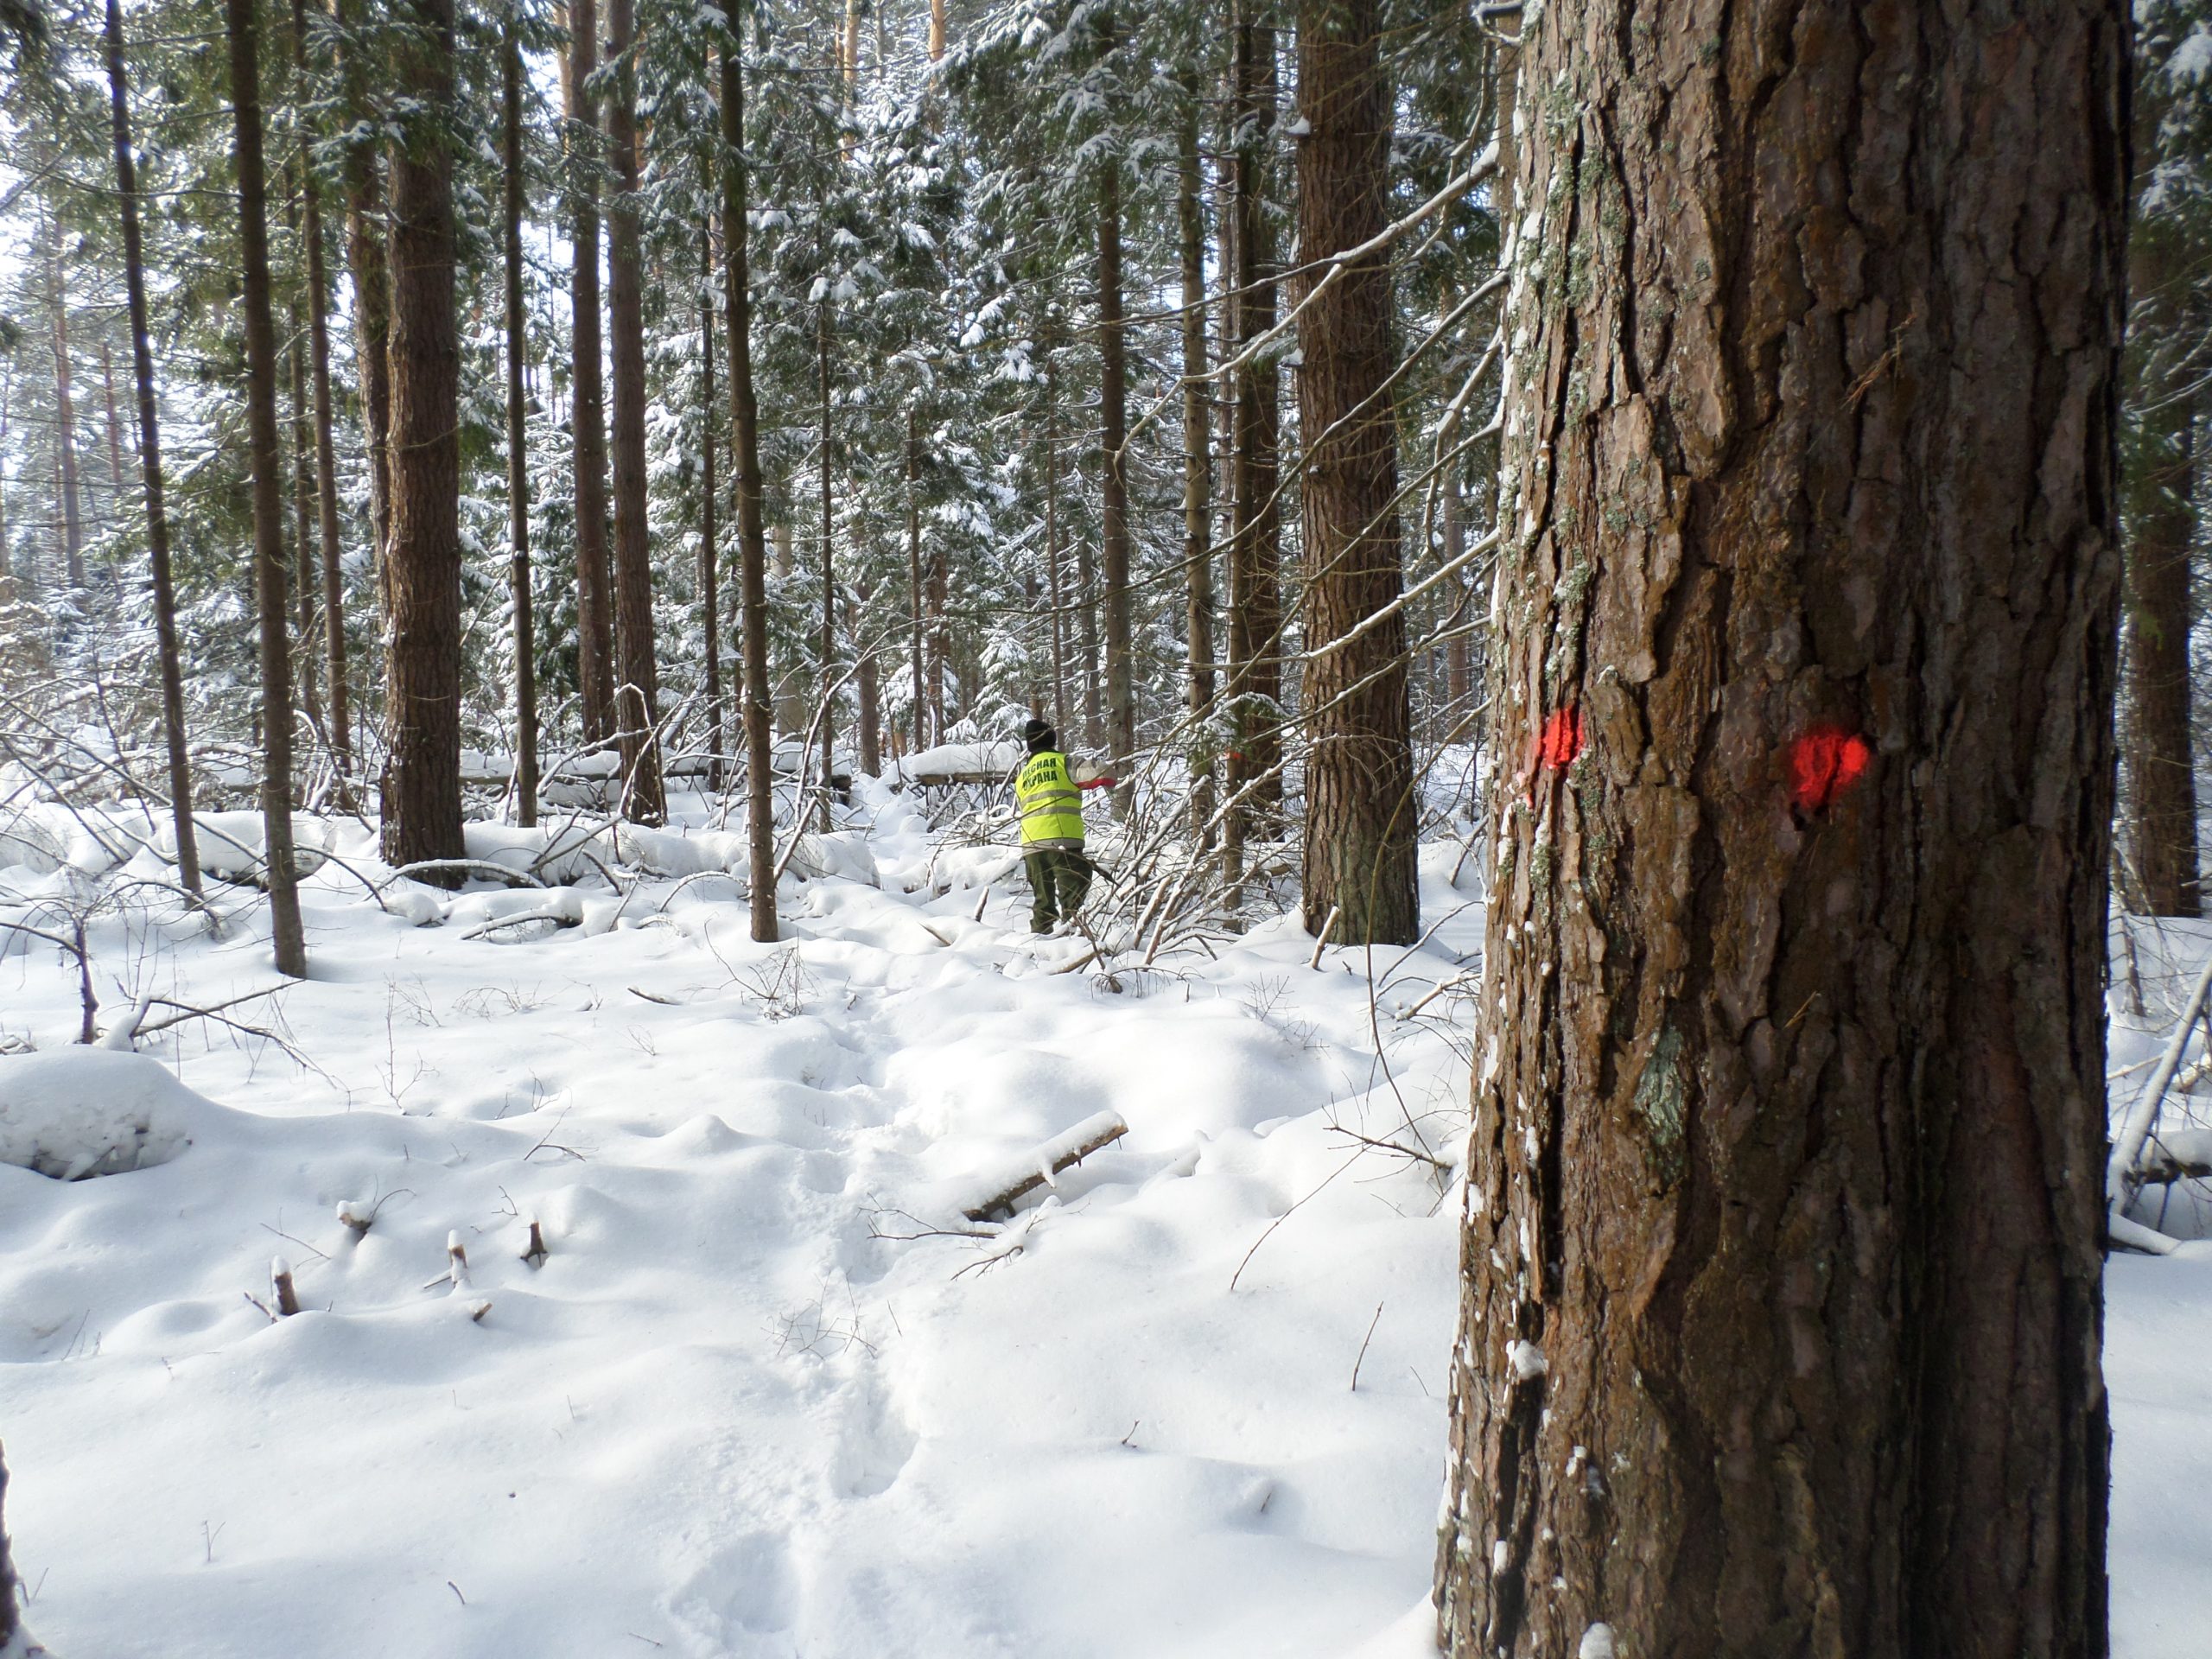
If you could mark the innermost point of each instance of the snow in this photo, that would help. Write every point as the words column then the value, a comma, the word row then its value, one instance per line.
column 79, row 1112
column 757, row 1400
column 766, row 1393
column 997, row 760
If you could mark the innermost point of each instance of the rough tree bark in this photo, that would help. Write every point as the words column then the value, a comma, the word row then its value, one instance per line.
column 517, row 430
column 1254, row 688
column 288, row 940
column 1781, row 1265
column 637, row 697
column 1198, row 476
column 1361, row 814
column 421, row 775
column 365, row 258
column 326, row 452
column 150, row 462
column 588, row 416
column 752, row 544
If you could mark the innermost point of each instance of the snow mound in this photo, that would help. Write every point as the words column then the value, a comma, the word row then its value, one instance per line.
column 72, row 1113
column 992, row 760
column 232, row 844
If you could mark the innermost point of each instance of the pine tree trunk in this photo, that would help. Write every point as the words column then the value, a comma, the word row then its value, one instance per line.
column 1360, row 816
column 1197, row 478
column 422, row 777
column 325, row 456
column 365, row 256
column 1255, row 689
column 914, row 576
column 7, row 398
column 150, row 464
column 288, row 941
column 829, row 680
column 1058, row 590
column 114, row 433
column 2158, row 508
column 867, row 687
column 588, row 419
column 2162, row 518
column 517, row 431
column 752, row 546
column 636, row 702
column 711, row 620
column 1459, row 648
column 1782, row 1254
column 65, row 422
column 302, row 562
column 1113, row 443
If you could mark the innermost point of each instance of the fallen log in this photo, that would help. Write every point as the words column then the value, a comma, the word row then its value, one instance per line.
column 1062, row 1152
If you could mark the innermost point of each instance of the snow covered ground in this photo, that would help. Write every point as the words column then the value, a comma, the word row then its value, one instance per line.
column 766, row 1395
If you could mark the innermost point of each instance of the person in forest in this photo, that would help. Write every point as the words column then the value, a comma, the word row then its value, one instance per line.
column 1050, row 802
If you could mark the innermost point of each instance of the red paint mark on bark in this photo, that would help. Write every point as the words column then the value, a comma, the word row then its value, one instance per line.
column 1561, row 740
column 1823, row 764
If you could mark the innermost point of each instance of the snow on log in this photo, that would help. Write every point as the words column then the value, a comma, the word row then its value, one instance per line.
column 1005, row 1188
column 2175, row 1155
column 70, row 1113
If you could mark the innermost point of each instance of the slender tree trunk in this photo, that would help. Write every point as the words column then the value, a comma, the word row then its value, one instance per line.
column 588, row 419
column 1197, row 478
column 303, row 562
column 2162, row 515
column 65, row 420
column 1360, row 816
column 1782, row 1260
column 936, row 31
column 1113, row 443
column 1254, row 692
column 940, row 584
column 1086, row 581
column 518, row 432
column 114, row 433
column 914, row 576
column 1459, row 650
column 744, row 454
column 2159, row 510
column 638, row 694
column 1052, row 538
column 326, row 453
column 149, row 463
column 365, row 256
column 7, row 398
column 287, row 937
column 710, row 621
column 828, row 575
column 868, row 686
column 422, row 777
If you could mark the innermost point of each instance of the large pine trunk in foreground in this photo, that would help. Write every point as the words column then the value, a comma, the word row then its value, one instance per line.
column 422, row 777
column 1360, row 815
column 1781, row 1264
column 637, row 692
column 287, row 938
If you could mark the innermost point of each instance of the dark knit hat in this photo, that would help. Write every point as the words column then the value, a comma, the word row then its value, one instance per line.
column 1036, row 737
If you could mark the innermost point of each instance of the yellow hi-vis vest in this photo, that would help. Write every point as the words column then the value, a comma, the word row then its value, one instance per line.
column 1051, row 808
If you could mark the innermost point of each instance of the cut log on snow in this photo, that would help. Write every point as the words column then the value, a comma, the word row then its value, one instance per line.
column 1038, row 1169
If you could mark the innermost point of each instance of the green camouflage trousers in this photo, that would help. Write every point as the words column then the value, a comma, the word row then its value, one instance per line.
column 1059, row 876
